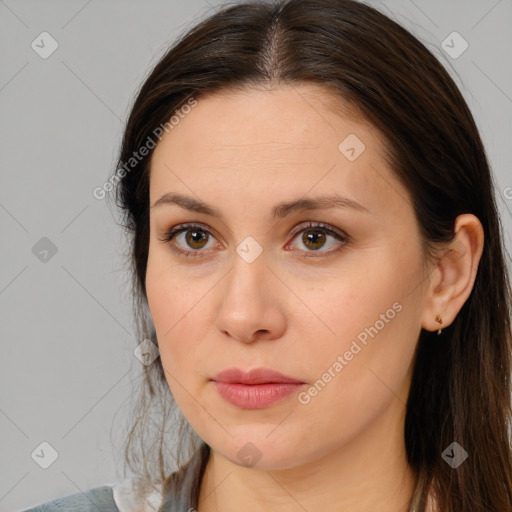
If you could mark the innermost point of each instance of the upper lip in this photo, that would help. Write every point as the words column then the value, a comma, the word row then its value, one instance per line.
column 254, row 376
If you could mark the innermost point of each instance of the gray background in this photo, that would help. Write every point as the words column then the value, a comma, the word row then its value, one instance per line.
column 67, row 364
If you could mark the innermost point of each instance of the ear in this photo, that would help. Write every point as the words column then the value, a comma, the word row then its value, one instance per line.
column 452, row 280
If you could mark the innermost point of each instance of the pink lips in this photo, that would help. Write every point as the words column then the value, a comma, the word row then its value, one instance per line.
column 255, row 389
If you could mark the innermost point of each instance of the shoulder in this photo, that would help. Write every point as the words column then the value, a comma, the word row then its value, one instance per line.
column 120, row 497
column 131, row 497
column 181, row 492
column 92, row 500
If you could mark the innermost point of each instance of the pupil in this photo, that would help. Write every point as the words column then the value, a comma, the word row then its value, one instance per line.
column 317, row 238
column 195, row 237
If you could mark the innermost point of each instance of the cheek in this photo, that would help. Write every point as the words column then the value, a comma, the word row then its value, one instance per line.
column 360, row 373
column 355, row 298
column 169, row 294
column 181, row 318
column 370, row 320
column 172, row 306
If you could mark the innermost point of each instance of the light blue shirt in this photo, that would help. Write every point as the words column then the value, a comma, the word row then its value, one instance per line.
column 101, row 499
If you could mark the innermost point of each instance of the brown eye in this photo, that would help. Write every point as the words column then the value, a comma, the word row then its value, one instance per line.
column 313, row 239
column 192, row 240
column 317, row 239
column 189, row 240
column 196, row 239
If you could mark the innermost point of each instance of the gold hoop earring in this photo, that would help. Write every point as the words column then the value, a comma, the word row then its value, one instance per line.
column 439, row 320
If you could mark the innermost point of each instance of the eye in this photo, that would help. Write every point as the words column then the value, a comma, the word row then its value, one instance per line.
column 193, row 236
column 191, row 240
column 315, row 236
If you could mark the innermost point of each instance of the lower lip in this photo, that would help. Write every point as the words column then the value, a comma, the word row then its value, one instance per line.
column 255, row 396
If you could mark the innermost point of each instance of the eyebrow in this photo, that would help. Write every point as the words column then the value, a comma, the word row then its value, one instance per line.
column 279, row 211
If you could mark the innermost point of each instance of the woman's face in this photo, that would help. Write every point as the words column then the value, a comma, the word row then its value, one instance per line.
column 328, row 294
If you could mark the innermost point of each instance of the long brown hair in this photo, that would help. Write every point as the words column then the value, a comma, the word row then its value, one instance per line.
column 461, row 385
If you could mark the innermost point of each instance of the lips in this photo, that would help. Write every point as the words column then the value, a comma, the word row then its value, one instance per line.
column 256, row 389
column 255, row 376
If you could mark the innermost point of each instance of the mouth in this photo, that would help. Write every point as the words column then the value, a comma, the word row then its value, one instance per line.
column 256, row 389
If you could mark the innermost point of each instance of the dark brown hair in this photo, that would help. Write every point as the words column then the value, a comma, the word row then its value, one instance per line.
column 461, row 386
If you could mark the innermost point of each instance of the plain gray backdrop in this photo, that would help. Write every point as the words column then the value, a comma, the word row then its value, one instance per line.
column 67, row 365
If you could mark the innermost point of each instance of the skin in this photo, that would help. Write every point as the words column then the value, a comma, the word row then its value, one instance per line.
column 243, row 153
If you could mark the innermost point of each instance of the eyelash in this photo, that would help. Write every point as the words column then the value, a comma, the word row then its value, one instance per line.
column 309, row 226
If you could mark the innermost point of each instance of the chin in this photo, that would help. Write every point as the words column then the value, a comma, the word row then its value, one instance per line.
column 256, row 449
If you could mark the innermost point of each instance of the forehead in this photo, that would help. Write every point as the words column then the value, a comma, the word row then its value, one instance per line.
column 279, row 120
column 283, row 141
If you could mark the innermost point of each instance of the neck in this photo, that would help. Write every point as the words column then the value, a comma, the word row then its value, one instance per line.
column 369, row 473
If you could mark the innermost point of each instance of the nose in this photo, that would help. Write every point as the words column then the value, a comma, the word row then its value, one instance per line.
column 252, row 303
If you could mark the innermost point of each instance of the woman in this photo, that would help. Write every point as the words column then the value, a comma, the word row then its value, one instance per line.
column 318, row 256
